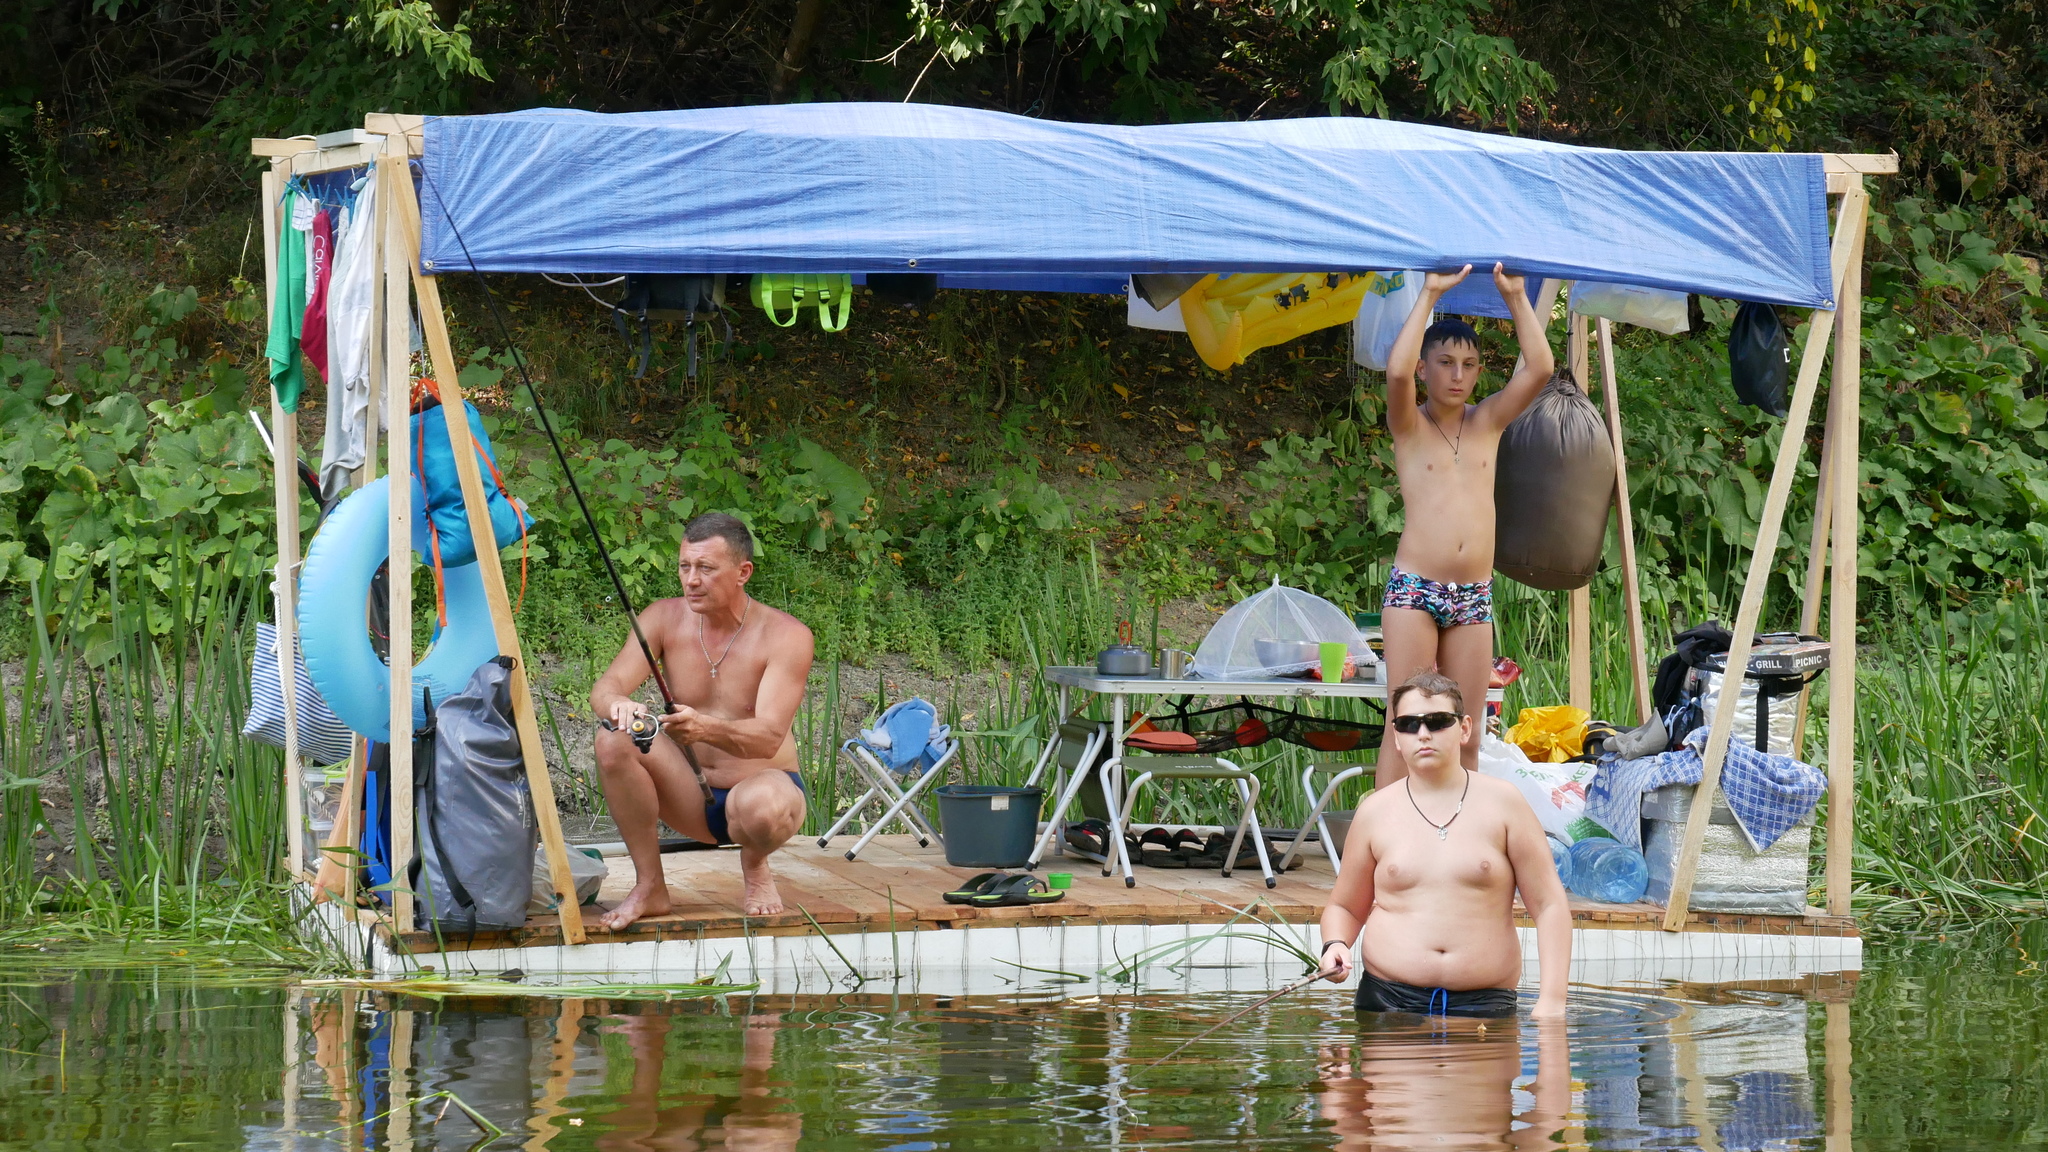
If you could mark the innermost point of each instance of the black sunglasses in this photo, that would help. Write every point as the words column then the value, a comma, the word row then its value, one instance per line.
column 1434, row 721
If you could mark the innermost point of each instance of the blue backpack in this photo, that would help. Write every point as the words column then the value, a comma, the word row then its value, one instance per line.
column 440, row 526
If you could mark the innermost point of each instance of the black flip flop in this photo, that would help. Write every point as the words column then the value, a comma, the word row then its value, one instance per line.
column 1156, row 850
column 974, row 887
column 1015, row 891
column 1186, row 845
column 1090, row 835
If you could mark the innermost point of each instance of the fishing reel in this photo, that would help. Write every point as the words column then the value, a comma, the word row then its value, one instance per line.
column 642, row 729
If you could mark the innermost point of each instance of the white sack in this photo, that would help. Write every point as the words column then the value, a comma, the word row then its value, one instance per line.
column 1652, row 308
column 1555, row 792
column 1389, row 298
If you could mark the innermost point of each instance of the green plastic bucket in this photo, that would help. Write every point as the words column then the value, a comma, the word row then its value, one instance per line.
column 988, row 825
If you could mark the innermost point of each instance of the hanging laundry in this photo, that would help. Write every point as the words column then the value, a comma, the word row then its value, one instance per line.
column 351, row 306
column 288, row 304
column 319, row 264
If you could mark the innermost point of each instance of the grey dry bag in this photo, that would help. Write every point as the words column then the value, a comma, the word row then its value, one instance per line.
column 474, row 870
column 1553, row 483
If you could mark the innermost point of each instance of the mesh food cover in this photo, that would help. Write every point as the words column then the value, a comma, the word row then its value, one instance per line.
column 1231, row 650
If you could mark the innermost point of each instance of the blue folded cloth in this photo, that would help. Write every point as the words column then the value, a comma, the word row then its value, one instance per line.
column 1768, row 794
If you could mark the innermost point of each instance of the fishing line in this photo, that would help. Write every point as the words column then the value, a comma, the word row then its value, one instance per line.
column 668, row 703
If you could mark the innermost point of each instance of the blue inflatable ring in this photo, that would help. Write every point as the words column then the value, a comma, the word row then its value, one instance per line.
column 334, row 590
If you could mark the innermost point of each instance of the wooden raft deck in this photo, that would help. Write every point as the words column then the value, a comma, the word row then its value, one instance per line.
column 895, row 886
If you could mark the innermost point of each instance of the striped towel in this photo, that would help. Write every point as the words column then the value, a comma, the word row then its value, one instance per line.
column 323, row 738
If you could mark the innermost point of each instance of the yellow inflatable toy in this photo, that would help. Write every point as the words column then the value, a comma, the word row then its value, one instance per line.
column 1231, row 316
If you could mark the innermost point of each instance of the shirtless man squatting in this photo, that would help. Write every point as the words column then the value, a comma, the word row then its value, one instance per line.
column 1438, row 610
column 1431, row 868
column 738, row 669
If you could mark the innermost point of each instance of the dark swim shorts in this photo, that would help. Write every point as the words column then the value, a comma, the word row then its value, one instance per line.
column 1377, row 995
column 714, row 814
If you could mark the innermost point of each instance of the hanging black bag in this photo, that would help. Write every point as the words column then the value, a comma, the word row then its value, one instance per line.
column 1759, row 358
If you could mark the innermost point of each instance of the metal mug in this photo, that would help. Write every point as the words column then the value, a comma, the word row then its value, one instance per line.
column 1174, row 663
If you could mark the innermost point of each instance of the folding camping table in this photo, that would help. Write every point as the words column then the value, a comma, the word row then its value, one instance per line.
column 1071, row 678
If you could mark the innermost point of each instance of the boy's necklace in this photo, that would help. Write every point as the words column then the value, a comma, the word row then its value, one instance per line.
column 1462, row 411
column 729, row 643
column 1443, row 830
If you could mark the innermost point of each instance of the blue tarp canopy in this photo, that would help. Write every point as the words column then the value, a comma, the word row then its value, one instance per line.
column 927, row 188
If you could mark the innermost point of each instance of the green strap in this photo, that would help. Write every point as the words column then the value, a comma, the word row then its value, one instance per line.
column 830, row 289
column 767, row 287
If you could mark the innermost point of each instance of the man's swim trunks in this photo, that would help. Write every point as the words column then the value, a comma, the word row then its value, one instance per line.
column 714, row 815
column 1377, row 995
column 1448, row 604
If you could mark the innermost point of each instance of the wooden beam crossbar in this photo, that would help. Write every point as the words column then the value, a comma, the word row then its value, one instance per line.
column 1849, row 223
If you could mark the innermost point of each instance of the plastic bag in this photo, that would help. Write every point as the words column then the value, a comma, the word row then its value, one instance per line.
column 1652, row 308
column 1139, row 313
column 1231, row 649
column 587, row 872
column 1552, row 487
column 1389, row 298
column 1759, row 358
column 1553, row 734
column 1556, row 792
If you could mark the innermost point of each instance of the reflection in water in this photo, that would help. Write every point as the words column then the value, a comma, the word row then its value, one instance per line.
column 157, row 1060
column 1405, row 1083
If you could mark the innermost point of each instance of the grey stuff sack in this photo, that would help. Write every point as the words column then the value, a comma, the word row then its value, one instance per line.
column 1553, row 483
column 474, row 871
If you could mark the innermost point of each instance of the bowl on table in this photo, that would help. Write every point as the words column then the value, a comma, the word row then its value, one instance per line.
column 1280, row 653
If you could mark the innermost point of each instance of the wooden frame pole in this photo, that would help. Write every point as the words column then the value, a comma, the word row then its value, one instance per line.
column 1848, row 233
column 441, row 352
column 1848, row 387
column 391, row 175
column 1579, row 614
column 284, row 440
column 1631, row 584
column 1817, row 547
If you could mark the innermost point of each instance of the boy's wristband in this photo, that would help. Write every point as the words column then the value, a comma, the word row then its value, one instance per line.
column 1327, row 945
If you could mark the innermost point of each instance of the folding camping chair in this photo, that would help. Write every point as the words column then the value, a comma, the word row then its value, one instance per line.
column 1150, row 768
column 907, row 743
column 1338, row 770
column 1081, row 743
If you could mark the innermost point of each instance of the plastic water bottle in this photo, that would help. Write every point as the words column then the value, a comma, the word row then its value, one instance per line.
column 1608, row 871
column 1561, row 855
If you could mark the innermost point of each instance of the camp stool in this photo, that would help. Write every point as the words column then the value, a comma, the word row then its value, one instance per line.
column 1338, row 770
column 934, row 748
column 1077, row 746
column 1150, row 768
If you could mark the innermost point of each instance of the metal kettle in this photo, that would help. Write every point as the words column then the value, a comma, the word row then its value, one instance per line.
column 1123, row 658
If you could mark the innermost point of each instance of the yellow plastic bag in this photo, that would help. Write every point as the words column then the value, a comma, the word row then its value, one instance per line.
column 1550, row 735
column 1229, row 317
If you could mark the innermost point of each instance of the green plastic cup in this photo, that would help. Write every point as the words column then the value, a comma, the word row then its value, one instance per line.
column 1334, row 653
column 1059, row 880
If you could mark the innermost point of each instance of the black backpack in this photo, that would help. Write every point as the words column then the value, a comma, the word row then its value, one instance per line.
column 654, row 296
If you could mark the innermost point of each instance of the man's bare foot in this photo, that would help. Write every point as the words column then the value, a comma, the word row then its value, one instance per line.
column 760, row 897
column 643, row 900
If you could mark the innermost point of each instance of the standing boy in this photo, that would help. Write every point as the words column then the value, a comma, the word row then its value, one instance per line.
column 1438, row 611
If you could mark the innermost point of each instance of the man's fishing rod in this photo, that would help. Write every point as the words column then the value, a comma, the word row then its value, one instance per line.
column 641, row 729
column 1233, row 1017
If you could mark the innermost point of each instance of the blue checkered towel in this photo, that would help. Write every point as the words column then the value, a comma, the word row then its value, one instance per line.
column 1768, row 794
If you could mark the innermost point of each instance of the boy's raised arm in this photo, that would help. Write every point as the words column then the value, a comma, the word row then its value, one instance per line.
column 1537, row 362
column 1406, row 355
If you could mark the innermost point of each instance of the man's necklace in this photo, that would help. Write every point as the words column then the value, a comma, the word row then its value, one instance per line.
column 728, row 644
column 1443, row 830
column 1462, row 410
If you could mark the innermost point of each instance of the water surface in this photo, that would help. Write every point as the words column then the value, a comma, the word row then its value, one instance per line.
column 1937, row 1044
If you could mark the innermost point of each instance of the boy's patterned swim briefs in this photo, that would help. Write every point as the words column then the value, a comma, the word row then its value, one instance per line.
column 1450, row 605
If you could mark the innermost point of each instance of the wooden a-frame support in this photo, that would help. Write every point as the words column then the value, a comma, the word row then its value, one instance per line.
column 398, row 220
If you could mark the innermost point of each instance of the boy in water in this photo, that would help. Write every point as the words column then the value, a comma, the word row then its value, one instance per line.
column 1431, row 869
column 1438, row 611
